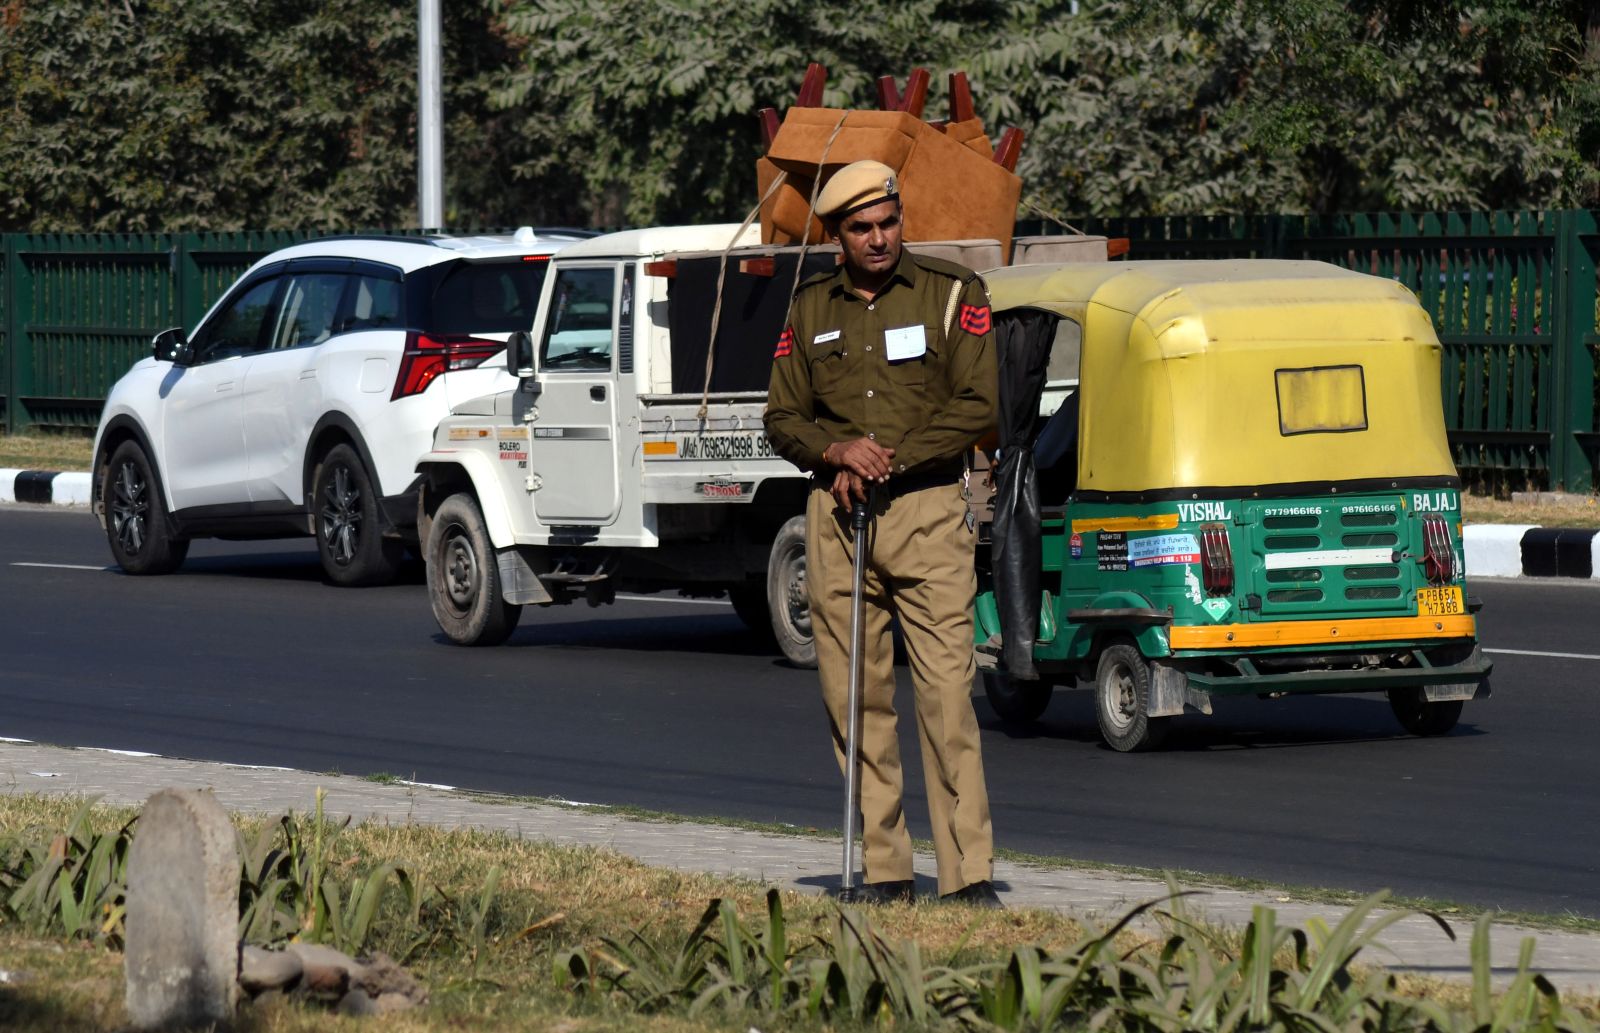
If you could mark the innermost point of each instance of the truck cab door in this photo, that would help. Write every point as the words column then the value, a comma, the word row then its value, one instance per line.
column 573, row 452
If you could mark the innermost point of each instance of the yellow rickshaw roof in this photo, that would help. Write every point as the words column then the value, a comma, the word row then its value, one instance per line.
column 1248, row 373
column 1147, row 288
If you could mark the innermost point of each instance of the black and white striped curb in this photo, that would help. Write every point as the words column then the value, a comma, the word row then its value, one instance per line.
column 1523, row 550
column 1493, row 550
column 45, row 486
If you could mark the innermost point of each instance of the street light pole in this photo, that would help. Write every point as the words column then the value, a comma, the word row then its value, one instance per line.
column 430, row 118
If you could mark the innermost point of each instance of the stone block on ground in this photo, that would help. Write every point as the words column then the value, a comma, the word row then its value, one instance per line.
column 261, row 970
column 324, row 971
column 181, row 959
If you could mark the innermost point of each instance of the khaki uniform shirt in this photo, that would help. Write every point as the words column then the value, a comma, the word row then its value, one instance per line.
column 841, row 371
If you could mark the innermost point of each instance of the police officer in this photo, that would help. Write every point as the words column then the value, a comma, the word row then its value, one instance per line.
column 883, row 379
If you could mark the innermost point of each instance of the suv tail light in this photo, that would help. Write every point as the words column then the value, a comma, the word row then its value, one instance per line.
column 1216, row 559
column 427, row 357
column 1438, row 558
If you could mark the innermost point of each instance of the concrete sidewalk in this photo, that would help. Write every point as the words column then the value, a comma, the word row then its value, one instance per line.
column 809, row 865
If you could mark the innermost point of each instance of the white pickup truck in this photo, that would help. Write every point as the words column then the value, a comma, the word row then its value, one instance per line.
column 628, row 458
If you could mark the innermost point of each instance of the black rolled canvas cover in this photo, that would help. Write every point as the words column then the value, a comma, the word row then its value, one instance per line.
column 753, row 312
column 1023, row 339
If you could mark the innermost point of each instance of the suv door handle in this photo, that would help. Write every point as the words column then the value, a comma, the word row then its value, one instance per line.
column 597, row 393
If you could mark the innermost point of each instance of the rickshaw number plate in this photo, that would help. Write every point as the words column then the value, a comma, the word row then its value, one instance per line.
column 1440, row 602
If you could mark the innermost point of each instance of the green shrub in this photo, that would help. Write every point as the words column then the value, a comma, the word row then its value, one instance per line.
column 75, row 884
column 1274, row 978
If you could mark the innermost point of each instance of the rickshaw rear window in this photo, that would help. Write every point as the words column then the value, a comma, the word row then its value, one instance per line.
column 1321, row 400
column 1064, row 352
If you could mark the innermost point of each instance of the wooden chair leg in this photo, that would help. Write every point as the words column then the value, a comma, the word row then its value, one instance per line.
column 961, row 109
column 1009, row 149
column 810, row 95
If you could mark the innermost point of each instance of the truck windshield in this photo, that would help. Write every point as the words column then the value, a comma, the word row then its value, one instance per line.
column 578, row 332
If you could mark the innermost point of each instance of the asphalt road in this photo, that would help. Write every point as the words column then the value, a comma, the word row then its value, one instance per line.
column 246, row 656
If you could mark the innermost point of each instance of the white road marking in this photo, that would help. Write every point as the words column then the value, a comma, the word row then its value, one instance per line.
column 60, row 566
column 120, row 753
column 7, row 738
column 423, row 785
column 673, row 599
column 46, row 774
column 1538, row 652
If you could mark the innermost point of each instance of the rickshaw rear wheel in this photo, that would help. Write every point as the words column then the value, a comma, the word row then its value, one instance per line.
column 1419, row 716
column 1122, row 700
column 1016, row 702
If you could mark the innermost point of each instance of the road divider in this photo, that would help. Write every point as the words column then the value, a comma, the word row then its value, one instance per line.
column 1526, row 550
column 47, row 487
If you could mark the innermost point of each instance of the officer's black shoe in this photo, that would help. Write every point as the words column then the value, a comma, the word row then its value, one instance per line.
column 902, row 891
column 977, row 894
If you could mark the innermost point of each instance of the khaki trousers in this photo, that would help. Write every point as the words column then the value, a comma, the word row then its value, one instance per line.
column 920, row 567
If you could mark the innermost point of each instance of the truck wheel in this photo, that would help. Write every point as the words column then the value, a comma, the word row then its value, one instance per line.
column 1016, row 702
column 1122, row 700
column 349, row 529
column 136, row 518
column 1420, row 717
column 787, row 598
column 464, row 579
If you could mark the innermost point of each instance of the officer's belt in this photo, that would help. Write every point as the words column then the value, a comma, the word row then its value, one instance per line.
column 937, row 477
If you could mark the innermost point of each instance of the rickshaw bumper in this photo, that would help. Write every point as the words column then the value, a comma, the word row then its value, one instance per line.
column 1179, row 682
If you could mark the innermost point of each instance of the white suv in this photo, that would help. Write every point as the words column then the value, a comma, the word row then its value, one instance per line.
column 302, row 401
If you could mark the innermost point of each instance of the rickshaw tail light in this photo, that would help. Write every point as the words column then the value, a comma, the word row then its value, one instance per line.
column 1216, row 559
column 1439, row 559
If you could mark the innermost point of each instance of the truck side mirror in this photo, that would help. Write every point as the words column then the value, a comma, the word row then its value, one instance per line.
column 170, row 345
column 519, row 354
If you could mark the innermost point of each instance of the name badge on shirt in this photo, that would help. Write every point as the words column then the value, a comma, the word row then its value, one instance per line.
column 905, row 342
column 831, row 335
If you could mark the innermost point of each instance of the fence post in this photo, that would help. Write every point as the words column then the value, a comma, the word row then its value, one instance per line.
column 19, row 350
column 1574, row 287
column 10, row 331
column 181, row 288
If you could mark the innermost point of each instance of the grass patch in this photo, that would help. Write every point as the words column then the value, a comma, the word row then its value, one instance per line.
column 548, row 898
column 1564, row 511
column 46, row 451
column 515, row 935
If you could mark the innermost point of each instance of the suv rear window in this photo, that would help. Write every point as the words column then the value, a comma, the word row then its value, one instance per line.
column 496, row 297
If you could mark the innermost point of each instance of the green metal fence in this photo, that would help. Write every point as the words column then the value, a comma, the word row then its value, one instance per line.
column 78, row 309
column 1513, row 296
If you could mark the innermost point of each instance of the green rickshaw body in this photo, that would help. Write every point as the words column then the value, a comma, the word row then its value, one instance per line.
column 1251, row 486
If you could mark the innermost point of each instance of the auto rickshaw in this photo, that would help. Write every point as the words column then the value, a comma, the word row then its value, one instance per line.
column 1221, row 478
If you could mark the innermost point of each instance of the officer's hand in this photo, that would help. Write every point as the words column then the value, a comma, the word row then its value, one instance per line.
column 848, row 489
column 862, row 456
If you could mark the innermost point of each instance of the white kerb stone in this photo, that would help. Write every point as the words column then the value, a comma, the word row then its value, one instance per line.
column 1493, row 550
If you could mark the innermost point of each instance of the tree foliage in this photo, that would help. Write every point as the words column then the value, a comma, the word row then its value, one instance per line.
column 1167, row 106
column 169, row 114
column 176, row 115
column 656, row 102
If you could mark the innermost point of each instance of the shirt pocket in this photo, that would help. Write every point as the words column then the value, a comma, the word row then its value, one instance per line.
column 829, row 366
column 918, row 372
